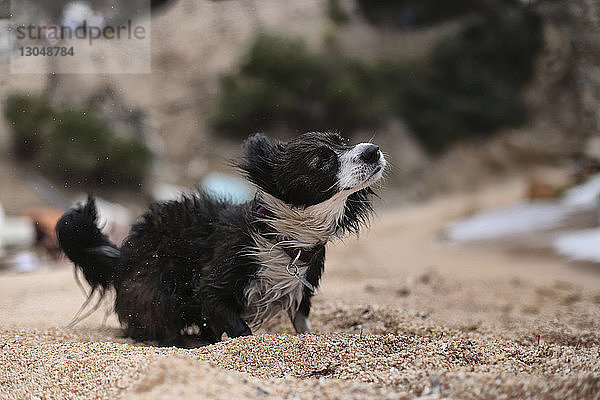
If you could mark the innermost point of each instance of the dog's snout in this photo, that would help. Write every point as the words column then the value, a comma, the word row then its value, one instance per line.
column 370, row 154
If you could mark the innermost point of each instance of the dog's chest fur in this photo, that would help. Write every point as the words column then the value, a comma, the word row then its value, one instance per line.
column 273, row 289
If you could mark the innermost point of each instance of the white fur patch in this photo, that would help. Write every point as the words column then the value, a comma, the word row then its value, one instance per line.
column 354, row 174
column 309, row 226
column 273, row 289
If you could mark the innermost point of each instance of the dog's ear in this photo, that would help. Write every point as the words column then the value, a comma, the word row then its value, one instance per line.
column 257, row 147
column 259, row 161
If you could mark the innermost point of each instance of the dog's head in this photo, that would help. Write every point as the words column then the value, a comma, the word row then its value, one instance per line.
column 314, row 168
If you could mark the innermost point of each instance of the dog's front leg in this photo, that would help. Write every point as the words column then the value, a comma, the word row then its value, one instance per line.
column 237, row 327
column 300, row 321
column 299, row 317
column 223, row 319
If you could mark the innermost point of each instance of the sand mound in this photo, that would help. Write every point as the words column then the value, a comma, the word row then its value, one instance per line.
column 98, row 363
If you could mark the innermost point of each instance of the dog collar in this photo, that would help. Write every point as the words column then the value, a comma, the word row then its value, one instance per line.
column 295, row 253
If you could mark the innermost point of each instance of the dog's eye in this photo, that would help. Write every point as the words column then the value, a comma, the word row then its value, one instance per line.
column 324, row 159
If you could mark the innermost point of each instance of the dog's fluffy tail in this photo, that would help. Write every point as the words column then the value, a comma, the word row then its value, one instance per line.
column 87, row 247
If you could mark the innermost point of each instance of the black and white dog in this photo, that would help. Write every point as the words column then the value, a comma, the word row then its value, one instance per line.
column 223, row 268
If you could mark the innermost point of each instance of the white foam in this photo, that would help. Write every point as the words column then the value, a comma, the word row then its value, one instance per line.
column 518, row 219
column 581, row 245
column 585, row 196
column 528, row 217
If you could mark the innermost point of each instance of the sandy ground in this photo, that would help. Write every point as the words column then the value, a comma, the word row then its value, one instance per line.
column 401, row 314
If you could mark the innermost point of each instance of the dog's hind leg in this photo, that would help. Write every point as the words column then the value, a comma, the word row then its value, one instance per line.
column 148, row 311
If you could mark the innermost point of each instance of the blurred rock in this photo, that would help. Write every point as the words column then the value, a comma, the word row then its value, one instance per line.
column 17, row 232
column 584, row 21
column 549, row 184
column 26, row 261
column 44, row 220
column 592, row 148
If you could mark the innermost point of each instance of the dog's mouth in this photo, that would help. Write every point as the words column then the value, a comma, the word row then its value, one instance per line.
column 361, row 167
column 375, row 172
column 369, row 179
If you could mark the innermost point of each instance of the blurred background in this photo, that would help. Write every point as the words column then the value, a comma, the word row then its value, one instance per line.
column 461, row 95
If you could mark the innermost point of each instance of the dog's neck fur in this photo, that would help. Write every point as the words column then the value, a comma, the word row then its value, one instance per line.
column 309, row 226
column 273, row 289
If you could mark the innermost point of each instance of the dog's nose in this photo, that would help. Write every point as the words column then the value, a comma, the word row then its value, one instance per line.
column 370, row 154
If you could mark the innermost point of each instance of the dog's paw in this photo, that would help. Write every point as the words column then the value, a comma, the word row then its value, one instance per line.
column 241, row 329
column 301, row 323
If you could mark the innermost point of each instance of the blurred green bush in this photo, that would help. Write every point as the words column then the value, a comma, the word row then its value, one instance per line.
column 281, row 83
column 418, row 13
column 336, row 12
column 471, row 85
column 77, row 146
column 28, row 117
column 414, row 12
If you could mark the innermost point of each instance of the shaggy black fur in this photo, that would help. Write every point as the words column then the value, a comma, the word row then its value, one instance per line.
column 87, row 246
column 301, row 172
column 187, row 263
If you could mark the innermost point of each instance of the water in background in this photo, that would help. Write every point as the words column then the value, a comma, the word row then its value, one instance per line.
column 570, row 226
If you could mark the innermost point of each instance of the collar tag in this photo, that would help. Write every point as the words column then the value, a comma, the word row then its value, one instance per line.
column 293, row 270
